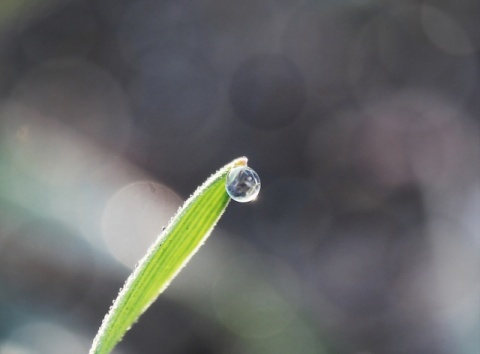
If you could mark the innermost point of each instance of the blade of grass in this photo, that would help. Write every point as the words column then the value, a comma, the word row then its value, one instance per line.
column 185, row 233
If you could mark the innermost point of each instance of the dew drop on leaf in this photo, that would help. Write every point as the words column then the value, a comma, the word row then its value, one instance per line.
column 243, row 184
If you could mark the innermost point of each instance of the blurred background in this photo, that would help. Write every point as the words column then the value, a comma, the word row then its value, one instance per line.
column 360, row 116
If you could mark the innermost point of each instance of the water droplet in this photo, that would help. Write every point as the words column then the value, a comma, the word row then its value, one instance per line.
column 243, row 184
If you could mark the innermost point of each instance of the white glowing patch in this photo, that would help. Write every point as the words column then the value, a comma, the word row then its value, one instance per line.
column 44, row 337
column 62, row 133
column 14, row 348
column 134, row 217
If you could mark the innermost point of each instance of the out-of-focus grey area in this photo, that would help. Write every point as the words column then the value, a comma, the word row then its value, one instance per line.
column 361, row 118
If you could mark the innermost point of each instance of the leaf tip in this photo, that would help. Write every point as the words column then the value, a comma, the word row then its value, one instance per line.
column 241, row 161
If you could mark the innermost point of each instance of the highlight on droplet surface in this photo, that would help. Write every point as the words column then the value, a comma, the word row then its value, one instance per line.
column 242, row 184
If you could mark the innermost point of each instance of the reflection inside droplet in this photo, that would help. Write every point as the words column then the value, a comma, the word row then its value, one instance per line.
column 243, row 184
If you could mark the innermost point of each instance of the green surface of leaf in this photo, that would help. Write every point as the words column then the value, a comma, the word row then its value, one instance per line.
column 185, row 233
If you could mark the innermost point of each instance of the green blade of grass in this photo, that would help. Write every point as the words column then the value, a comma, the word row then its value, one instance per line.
column 185, row 233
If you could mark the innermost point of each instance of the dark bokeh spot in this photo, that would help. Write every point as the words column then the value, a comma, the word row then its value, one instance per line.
column 295, row 213
column 175, row 93
column 176, row 330
column 351, row 267
column 70, row 31
column 267, row 92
